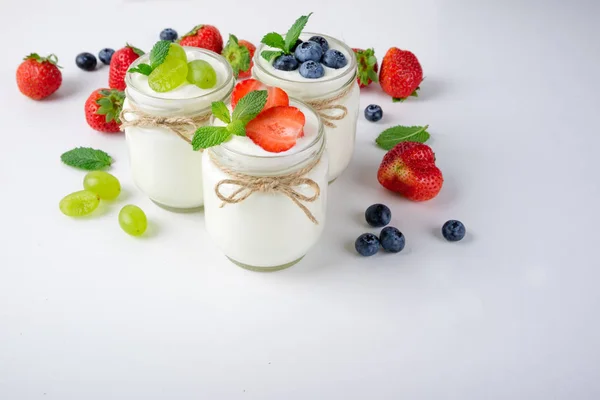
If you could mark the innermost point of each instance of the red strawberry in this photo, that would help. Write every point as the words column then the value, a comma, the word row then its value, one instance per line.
column 277, row 97
column 119, row 64
column 205, row 37
column 277, row 128
column 102, row 110
column 367, row 67
column 401, row 74
column 239, row 54
column 38, row 77
column 409, row 169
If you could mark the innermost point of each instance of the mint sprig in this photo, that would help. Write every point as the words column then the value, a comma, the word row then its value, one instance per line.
column 275, row 40
column 86, row 158
column 396, row 134
column 246, row 110
column 158, row 55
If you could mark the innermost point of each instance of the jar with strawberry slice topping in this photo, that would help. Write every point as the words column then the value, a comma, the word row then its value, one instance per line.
column 265, row 191
column 163, row 108
column 329, row 85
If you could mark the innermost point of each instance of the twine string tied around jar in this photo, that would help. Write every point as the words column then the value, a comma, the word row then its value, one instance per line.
column 326, row 108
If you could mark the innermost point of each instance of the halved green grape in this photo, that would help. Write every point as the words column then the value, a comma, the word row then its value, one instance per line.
column 79, row 203
column 176, row 52
column 201, row 74
column 168, row 75
column 105, row 185
column 133, row 220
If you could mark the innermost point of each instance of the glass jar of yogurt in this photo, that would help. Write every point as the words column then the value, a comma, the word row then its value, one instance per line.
column 266, row 210
column 163, row 164
column 334, row 95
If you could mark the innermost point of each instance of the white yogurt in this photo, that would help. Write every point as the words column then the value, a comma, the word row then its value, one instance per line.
column 164, row 166
column 266, row 231
column 340, row 140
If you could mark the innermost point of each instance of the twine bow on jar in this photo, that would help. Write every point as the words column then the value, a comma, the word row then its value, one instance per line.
column 326, row 108
column 284, row 184
column 182, row 126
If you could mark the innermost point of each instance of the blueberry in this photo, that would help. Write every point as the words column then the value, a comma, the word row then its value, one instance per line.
column 322, row 42
column 168, row 34
column 86, row 61
column 312, row 70
column 286, row 62
column 105, row 55
column 373, row 113
column 308, row 51
column 454, row 230
column 392, row 239
column 378, row 215
column 298, row 42
column 367, row 244
column 334, row 59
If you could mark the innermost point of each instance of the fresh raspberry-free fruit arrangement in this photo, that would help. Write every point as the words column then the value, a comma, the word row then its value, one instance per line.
column 39, row 77
column 102, row 110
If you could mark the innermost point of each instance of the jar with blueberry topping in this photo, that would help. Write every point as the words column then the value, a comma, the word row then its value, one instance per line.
column 328, row 85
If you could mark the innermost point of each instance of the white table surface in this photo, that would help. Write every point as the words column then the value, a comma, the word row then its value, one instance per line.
column 511, row 312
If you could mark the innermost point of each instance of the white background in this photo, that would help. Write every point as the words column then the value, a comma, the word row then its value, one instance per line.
column 511, row 95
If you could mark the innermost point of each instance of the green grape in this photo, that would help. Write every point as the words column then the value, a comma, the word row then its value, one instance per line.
column 176, row 52
column 133, row 220
column 168, row 75
column 201, row 74
column 105, row 185
column 79, row 203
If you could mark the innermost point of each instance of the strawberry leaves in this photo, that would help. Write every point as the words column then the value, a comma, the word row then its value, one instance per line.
column 238, row 56
column 111, row 104
column 52, row 59
column 367, row 64
column 396, row 134
column 277, row 41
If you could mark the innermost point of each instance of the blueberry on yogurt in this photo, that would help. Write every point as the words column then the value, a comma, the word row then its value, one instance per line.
column 322, row 42
column 334, row 59
column 312, row 70
column 286, row 62
column 308, row 51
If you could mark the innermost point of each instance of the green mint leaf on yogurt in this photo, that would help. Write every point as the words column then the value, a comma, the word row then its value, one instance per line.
column 396, row 134
column 209, row 136
column 270, row 55
column 220, row 111
column 294, row 32
column 250, row 106
column 237, row 128
column 143, row 69
column 159, row 53
column 86, row 158
column 274, row 39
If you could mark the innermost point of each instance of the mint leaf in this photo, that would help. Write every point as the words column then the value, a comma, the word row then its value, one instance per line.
column 209, row 136
column 274, row 39
column 220, row 110
column 159, row 53
column 396, row 134
column 86, row 158
column 270, row 55
column 237, row 128
column 294, row 33
column 250, row 106
column 143, row 69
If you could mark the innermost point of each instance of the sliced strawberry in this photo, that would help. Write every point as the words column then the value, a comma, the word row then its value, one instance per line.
column 276, row 98
column 277, row 129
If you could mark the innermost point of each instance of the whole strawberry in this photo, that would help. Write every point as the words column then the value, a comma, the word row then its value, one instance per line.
column 119, row 64
column 239, row 54
column 39, row 77
column 409, row 169
column 205, row 37
column 401, row 74
column 102, row 110
column 367, row 67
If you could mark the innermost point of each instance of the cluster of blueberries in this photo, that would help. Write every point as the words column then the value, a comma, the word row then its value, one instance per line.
column 87, row 61
column 309, row 57
column 390, row 238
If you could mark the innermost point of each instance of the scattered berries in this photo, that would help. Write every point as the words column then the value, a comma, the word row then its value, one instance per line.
column 168, row 34
column 373, row 113
column 277, row 129
column 378, row 215
column 312, row 69
column 286, row 62
column 391, row 239
column 86, row 61
column 102, row 110
column 453, row 230
column 105, row 55
column 321, row 41
column 401, row 74
column 203, row 36
column 239, row 54
column 334, row 59
column 367, row 67
column 39, row 77
column 119, row 64
column 308, row 51
column 409, row 169
column 367, row 244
